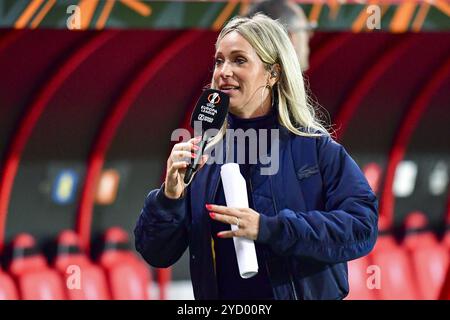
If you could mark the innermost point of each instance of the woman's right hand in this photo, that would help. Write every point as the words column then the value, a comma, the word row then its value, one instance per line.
column 176, row 167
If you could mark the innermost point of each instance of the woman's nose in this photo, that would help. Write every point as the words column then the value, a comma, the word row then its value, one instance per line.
column 226, row 70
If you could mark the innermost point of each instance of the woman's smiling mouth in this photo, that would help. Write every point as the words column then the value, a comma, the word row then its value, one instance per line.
column 228, row 89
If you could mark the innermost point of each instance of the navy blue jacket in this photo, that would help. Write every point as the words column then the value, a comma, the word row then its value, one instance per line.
column 316, row 213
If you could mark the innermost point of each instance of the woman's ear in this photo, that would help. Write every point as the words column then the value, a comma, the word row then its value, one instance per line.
column 275, row 73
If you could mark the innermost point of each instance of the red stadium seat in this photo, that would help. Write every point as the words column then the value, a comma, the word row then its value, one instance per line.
column 397, row 279
column 373, row 173
column 164, row 276
column 358, row 275
column 445, row 291
column 92, row 282
column 35, row 280
column 129, row 278
column 8, row 289
column 429, row 258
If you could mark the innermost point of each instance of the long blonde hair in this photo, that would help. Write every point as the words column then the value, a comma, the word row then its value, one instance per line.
column 272, row 44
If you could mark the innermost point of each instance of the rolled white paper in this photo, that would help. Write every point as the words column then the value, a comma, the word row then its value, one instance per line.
column 235, row 190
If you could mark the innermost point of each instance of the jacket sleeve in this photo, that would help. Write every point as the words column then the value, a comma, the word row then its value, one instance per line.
column 345, row 230
column 162, row 230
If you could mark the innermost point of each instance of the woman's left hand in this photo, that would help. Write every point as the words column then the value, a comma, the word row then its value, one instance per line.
column 245, row 218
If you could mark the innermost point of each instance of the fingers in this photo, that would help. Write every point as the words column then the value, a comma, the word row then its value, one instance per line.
column 234, row 220
column 230, row 234
column 175, row 167
column 225, row 210
column 186, row 146
column 178, row 165
column 183, row 151
column 181, row 155
column 246, row 220
column 177, row 161
column 195, row 139
column 190, row 145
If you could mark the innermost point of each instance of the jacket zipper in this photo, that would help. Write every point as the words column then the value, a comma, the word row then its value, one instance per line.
column 291, row 278
column 294, row 291
column 215, row 188
column 213, row 252
column 251, row 194
column 264, row 252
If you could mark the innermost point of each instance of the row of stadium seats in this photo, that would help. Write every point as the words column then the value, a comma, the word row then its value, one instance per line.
column 118, row 274
column 418, row 268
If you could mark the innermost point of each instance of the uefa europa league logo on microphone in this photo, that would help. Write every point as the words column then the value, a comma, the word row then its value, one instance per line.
column 214, row 98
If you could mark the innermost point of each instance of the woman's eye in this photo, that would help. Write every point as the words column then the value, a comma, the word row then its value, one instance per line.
column 218, row 61
column 240, row 61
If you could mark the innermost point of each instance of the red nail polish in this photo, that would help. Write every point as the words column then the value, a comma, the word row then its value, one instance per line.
column 193, row 155
column 208, row 206
column 219, row 235
column 212, row 215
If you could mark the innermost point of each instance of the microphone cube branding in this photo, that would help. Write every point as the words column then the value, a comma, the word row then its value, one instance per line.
column 210, row 108
column 207, row 119
column 202, row 117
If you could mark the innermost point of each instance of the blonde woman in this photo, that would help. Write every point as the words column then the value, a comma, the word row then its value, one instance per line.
column 308, row 218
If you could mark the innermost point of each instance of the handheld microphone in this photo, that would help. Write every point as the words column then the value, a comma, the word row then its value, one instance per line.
column 210, row 111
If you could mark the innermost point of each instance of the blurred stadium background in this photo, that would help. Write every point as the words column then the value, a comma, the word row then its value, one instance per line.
column 86, row 117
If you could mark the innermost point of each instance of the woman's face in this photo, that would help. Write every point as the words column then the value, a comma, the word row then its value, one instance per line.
column 240, row 73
